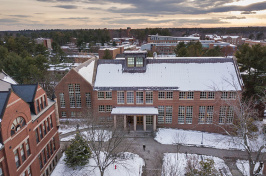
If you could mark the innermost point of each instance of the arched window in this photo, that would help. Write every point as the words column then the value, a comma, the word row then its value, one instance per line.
column 17, row 124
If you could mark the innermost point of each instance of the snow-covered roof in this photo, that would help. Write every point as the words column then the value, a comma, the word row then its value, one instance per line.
column 86, row 70
column 134, row 111
column 6, row 78
column 174, row 74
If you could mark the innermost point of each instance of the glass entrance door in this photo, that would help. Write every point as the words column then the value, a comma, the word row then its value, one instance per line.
column 139, row 120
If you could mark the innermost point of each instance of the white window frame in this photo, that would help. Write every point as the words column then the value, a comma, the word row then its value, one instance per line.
column 120, row 97
column 130, row 97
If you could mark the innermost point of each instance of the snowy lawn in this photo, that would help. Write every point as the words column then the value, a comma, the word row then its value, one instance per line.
column 100, row 135
column 132, row 166
column 70, row 125
column 243, row 166
column 176, row 164
column 188, row 137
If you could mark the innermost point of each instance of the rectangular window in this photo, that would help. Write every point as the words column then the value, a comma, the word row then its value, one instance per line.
column 43, row 128
column 120, row 97
column 169, row 95
column 51, row 121
column 40, row 161
column 40, row 131
column 210, row 95
column 101, row 108
column 222, row 114
column 161, row 95
column 149, row 97
column 182, row 95
column 149, row 120
column 108, row 95
column 189, row 114
column 62, row 100
column 22, row 153
column 47, row 124
column 230, row 114
column 37, row 136
column 44, row 158
column 130, row 97
column 209, row 114
column 63, row 114
column 108, row 108
column 78, row 100
column 139, row 62
column 71, row 95
column 130, row 62
column 224, row 95
column 17, row 158
column 139, row 97
column 181, row 114
column 44, row 101
column 1, row 171
column 202, row 110
column 190, row 95
column 232, row 95
column 28, row 171
column 41, row 103
column 203, row 95
column 38, row 106
column 27, row 148
column 88, row 100
column 161, row 114
column 168, row 114
column 47, row 152
column 100, row 95
column 72, row 114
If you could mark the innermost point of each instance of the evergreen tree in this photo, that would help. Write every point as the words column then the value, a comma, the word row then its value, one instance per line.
column 78, row 153
column 107, row 55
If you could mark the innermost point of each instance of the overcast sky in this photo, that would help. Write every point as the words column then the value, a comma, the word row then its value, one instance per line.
column 77, row 14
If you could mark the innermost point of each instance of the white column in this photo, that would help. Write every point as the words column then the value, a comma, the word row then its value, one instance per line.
column 154, row 122
column 125, row 122
column 114, row 121
column 144, row 123
column 135, row 123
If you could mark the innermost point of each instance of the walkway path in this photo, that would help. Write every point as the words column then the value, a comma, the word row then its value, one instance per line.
column 154, row 151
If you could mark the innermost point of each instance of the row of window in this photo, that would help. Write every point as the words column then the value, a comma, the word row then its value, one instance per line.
column 46, row 153
column 22, row 153
column 74, row 99
column 41, row 103
column 43, row 129
column 51, row 167
column 105, row 108
column 205, row 115
column 162, row 95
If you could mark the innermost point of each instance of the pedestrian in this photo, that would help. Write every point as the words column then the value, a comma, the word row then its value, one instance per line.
column 144, row 146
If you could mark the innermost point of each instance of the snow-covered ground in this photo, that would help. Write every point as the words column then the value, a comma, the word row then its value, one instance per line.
column 132, row 166
column 173, row 163
column 188, row 137
column 243, row 166
column 99, row 135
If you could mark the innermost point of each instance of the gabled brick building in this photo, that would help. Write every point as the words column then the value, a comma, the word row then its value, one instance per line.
column 144, row 93
column 29, row 136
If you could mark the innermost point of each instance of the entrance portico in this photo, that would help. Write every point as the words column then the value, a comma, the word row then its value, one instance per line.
column 137, row 115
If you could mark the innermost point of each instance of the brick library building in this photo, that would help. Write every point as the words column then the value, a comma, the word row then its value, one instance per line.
column 146, row 93
column 29, row 136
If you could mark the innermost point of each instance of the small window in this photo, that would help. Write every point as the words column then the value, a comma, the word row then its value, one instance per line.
column 232, row 95
column 169, row 95
column 139, row 97
column 203, row 95
column 149, row 97
column 161, row 95
column 88, row 100
column 17, row 158
column 100, row 95
column 130, row 97
column 139, row 62
column 120, row 98
column 211, row 95
column 181, row 114
column 190, row 95
column 130, row 62
column 108, row 95
column 63, row 114
column 108, row 108
column 182, row 95
column 224, row 95
column 101, row 108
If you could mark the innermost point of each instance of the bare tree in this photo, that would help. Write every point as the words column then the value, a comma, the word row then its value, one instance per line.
column 179, row 139
column 246, row 131
column 107, row 143
column 171, row 166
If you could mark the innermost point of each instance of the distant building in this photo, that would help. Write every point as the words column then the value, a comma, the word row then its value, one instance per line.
column 144, row 94
column 45, row 41
column 29, row 142
column 170, row 39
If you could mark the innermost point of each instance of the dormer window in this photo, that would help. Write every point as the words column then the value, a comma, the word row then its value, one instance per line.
column 130, row 62
column 17, row 124
column 139, row 62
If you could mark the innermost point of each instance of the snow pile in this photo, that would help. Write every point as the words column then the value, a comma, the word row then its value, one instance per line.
column 243, row 166
column 194, row 138
column 99, row 135
column 132, row 166
column 176, row 163
column 87, row 72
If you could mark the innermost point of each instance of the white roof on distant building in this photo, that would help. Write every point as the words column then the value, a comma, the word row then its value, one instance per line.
column 134, row 111
column 185, row 75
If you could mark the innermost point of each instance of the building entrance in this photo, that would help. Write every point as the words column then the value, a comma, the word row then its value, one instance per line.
column 139, row 120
